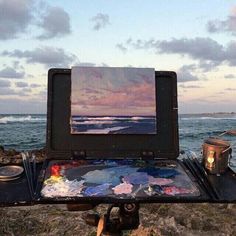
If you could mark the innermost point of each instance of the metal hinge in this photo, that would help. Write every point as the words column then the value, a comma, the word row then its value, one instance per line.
column 80, row 154
column 147, row 155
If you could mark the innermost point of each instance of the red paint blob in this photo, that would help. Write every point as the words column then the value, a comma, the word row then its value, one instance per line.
column 55, row 170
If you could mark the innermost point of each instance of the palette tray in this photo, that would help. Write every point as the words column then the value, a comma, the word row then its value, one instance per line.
column 10, row 172
column 118, row 179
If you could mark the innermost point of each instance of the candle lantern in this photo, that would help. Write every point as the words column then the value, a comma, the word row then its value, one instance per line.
column 216, row 154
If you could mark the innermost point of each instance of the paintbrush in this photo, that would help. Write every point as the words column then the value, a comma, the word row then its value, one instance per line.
column 26, row 167
column 204, row 180
column 193, row 173
column 204, row 174
column 199, row 173
column 200, row 181
column 34, row 167
column 30, row 169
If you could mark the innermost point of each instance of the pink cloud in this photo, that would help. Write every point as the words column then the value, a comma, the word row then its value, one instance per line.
column 139, row 95
column 114, row 94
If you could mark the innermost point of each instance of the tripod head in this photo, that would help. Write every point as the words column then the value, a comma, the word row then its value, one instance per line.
column 126, row 218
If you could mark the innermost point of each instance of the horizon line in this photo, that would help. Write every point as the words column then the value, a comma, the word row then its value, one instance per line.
column 191, row 113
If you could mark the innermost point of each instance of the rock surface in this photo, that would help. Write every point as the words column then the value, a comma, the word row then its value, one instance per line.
column 156, row 219
column 12, row 156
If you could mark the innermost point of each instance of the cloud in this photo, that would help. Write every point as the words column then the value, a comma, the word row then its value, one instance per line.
column 15, row 17
column 55, row 23
column 143, row 44
column 48, row 56
column 121, row 47
column 13, row 105
column 227, row 25
column 230, row 89
column 197, row 48
column 6, row 91
column 43, row 93
column 17, row 65
column 183, row 85
column 35, row 85
column 100, row 21
column 26, row 90
column 86, row 64
column 230, row 76
column 207, row 66
column 91, row 64
column 184, row 74
column 21, row 90
column 11, row 73
column 208, row 51
column 5, row 83
column 21, row 84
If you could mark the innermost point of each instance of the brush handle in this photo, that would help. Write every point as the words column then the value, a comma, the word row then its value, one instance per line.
column 204, row 174
column 30, row 169
column 195, row 173
column 34, row 167
column 26, row 167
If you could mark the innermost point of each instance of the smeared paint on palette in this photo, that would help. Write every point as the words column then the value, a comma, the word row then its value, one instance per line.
column 117, row 179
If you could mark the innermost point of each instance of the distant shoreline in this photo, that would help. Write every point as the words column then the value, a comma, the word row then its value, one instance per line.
column 197, row 114
column 210, row 113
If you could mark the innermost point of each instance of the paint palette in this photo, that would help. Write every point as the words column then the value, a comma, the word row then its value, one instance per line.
column 120, row 179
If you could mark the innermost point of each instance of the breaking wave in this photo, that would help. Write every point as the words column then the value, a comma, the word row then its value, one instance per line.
column 102, row 131
column 208, row 118
column 16, row 119
column 94, row 122
column 111, row 118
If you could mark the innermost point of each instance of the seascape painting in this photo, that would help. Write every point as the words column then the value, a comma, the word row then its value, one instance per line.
column 111, row 100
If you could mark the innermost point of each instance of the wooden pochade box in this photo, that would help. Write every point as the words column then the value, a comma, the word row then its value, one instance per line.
column 139, row 163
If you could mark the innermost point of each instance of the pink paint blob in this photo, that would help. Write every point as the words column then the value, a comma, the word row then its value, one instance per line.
column 159, row 181
column 123, row 188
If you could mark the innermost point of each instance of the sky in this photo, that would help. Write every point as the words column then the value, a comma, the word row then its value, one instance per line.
column 112, row 91
column 197, row 39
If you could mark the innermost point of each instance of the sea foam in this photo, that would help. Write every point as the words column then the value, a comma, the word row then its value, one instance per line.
column 14, row 119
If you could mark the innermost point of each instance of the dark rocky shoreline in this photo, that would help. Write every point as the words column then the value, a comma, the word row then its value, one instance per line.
column 155, row 219
column 13, row 156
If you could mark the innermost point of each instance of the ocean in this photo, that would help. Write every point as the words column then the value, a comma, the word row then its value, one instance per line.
column 27, row 132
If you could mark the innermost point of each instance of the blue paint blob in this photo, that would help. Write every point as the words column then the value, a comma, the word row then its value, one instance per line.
column 101, row 177
column 100, row 190
column 136, row 178
column 159, row 172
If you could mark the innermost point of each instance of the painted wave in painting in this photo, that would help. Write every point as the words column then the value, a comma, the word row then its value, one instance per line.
column 113, row 125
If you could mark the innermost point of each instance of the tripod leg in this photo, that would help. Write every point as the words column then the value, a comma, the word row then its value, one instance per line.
column 100, row 227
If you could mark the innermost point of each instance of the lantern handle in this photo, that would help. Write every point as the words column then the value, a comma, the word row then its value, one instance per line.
column 230, row 132
column 227, row 149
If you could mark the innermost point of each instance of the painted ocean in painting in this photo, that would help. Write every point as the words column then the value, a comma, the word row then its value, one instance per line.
column 114, row 124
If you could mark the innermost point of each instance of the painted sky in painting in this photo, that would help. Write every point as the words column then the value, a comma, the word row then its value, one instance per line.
column 98, row 91
column 194, row 38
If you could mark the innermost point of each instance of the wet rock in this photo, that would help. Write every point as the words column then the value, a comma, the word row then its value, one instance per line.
column 1, row 149
column 168, row 226
column 12, row 156
column 180, row 219
column 11, row 152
